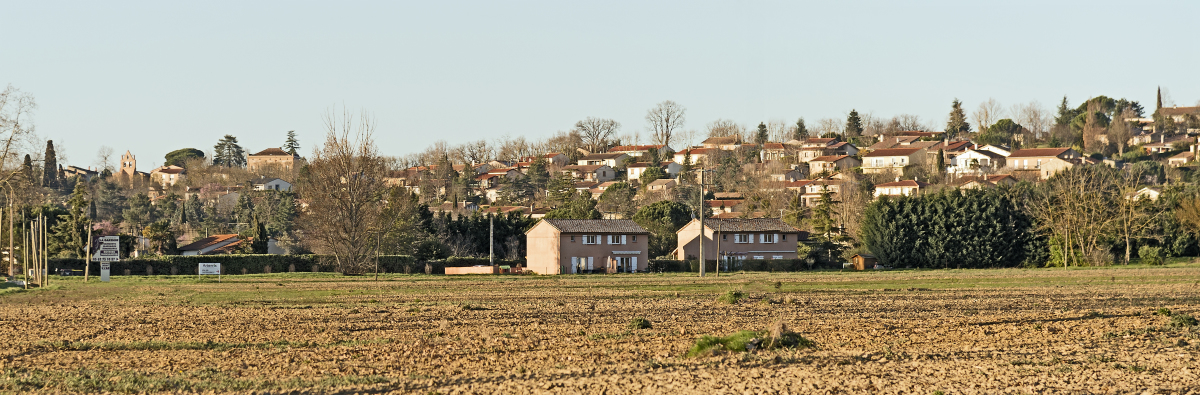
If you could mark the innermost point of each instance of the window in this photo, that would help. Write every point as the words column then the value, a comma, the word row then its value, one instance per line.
column 572, row 239
column 591, row 239
column 724, row 237
column 766, row 238
column 777, row 257
column 741, row 238
column 634, row 239
column 783, row 237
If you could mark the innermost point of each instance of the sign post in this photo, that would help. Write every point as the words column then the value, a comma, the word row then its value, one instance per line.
column 109, row 251
column 209, row 268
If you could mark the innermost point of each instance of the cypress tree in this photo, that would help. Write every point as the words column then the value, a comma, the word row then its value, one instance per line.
column 760, row 137
column 27, row 168
column 50, row 167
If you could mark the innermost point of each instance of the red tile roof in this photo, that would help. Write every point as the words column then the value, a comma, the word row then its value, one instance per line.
column 272, row 152
column 629, row 148
column 904, row 183
column 773, row 146
column 893, row 152
column 1038, row 152
column 829, row 158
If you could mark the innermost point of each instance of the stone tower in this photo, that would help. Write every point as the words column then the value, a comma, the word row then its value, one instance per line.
column 128, row 164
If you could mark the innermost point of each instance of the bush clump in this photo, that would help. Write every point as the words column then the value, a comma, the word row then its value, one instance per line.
column 1182, row 320
column 1163, row 311
column 1152, row 255
column 743, row 341
column 731, row 297
column 639, row 323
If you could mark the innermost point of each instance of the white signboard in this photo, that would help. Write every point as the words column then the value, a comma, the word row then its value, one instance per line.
column 109, row 249
column 104, row 271
column 209, row 268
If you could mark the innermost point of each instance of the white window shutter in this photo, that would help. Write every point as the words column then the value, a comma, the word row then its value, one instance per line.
column 589, row 263
column 622, row 239
column 633, row 264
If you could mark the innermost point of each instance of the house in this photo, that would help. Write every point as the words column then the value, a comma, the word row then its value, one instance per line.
column 985, row 182
column 1151, row 193
column 612, row 160
column 817, row 147
column 789, row 175
column 1004, row 151
column 900, row 188
column 1168, row 144
column 727, row 143
column 892, row 142
column 557, row 159
column 1179, row 114
column 270, row 157
column 977, row 161
column 84, row 174
column 796, row 186
column 738, row 238
column 772, row 152
column 698, row 155
column 167, row 175
column 572, row 246
column 1182, row 158
column 640, row 150
column 1042, row 162
column 832, row 164
column 270, row 184
column 634, row 170
column 661, row 185
column 593, row 173
column 813, row 189
column 892, row 160
column 493, row 177
column 599, row 189
column 722, row 206
column 209, row 245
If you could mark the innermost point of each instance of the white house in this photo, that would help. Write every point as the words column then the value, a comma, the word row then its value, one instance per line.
column 976, row 161
column 271, row 184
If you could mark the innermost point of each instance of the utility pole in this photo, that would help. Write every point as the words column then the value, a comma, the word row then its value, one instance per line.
column 701, row 215
column 87, row 263
column 492, row 240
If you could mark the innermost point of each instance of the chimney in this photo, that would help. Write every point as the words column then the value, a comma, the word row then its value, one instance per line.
column 1162, row 138
column 897, row 179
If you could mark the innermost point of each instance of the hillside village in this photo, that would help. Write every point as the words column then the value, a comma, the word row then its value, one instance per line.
column 818, row 195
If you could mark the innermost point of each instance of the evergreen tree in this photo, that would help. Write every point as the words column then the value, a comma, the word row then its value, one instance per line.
column 941, row 161
column 652, row 173
column 581, row 206
column 823, row 215
column 70, row 232
column 794, row 213
column 194, row 211
column 957, row 125
column 662, row 218
column 292, row 145
column 50, row 167
column 180, row 157
column 801, row 132
column 228, row 153
column 258, row 243
column 27, row 169
column 110, row 201
column 539, row 174
column 760, row 137
column 140, row 212
column 854, row 126
column 561, row 190
column 1065, row 115
column 161, row 237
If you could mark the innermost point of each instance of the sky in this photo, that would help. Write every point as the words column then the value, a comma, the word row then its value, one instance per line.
column 151, row 77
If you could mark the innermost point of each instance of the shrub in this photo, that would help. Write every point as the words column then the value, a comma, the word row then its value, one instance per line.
column 1182, row 320
column 777, row 337
column 731, row 297
column 639, row 323
column 1152, row 255
column 1163, row 311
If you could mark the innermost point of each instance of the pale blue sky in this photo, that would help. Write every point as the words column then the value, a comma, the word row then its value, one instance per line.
column 151, row 77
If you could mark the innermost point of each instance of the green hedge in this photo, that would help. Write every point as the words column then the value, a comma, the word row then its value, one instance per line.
column 755, row 265
column 256, row 264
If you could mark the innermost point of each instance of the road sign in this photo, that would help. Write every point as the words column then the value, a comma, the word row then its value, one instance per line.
column 109, row 249
column 209, row 268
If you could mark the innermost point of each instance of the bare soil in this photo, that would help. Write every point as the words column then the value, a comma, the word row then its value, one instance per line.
column 980, row 331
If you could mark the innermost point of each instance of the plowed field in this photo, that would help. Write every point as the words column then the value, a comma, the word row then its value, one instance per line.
column 978, row 331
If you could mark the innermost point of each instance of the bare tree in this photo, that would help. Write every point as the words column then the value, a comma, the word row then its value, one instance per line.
column 104, row 158
column 988, row 113
column 1120, row 131
column 1032, row 116
column 664, row 120
column 726, row 128
column 16, row 127
column 596, row 133
column 344, row 190
column 828, row 125
column 1092, row 128
column 477, row 152
column 779, row 130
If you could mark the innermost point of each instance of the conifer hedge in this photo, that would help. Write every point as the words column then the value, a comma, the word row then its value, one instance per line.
column 951, row 229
